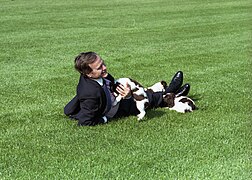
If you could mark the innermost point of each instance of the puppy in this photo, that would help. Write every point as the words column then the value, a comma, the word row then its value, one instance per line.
column 180, row 104
column 138, row 93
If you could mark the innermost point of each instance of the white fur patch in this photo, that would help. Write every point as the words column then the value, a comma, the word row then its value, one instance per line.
column 137, row 90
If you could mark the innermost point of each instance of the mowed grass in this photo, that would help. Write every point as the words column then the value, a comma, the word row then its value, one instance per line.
column 210, row 41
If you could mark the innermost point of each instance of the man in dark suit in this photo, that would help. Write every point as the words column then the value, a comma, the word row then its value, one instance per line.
column 93, row 103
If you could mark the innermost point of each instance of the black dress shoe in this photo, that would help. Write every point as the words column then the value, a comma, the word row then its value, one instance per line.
column 175, row 83
column 183, row 91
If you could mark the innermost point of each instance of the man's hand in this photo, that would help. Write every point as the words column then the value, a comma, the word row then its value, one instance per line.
column 124, row 91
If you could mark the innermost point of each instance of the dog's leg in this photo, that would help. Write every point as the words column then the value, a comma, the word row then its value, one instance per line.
column 141, row 115
column 117, row 100
column 141, row 107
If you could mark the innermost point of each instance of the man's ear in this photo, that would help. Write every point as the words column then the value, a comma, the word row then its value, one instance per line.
column 89, row 75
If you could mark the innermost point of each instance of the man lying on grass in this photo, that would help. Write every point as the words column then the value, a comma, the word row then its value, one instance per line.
column 94, row 102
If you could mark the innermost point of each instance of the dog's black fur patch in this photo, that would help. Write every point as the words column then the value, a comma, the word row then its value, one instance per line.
column 190, row 103
column 169, row 100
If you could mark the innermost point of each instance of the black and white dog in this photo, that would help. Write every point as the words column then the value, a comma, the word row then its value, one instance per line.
column 139, row 93
column 180, row 104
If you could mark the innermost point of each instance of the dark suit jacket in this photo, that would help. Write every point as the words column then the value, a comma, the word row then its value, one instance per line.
column 89, row 104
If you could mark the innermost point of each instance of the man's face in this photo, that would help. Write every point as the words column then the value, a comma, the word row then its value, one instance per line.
column 99, row 69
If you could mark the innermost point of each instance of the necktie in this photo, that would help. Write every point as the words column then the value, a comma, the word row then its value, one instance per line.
column 108, row 95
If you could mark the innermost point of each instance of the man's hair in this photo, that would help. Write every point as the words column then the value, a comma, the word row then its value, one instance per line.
column 82, row 61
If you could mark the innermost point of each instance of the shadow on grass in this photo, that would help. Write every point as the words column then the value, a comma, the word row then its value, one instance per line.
column 195, row 97
column 150, row 114
column 154, row 113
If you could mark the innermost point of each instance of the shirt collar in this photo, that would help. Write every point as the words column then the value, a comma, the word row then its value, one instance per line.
column 99, row 81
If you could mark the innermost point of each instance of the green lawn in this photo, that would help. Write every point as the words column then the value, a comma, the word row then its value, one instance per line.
column 147, row 40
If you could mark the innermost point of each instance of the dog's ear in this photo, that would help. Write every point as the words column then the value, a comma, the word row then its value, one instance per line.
column 169, row 99
column 164, row 84
column 191, row 104
column 115, row 86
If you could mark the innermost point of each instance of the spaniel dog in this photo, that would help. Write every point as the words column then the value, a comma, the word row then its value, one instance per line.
column 180, row 104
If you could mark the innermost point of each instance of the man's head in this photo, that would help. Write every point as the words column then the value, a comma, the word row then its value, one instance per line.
column 90, row 65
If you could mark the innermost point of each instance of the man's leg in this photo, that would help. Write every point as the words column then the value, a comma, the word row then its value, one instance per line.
column 126, row 108
column 155, row 99
column 72, row 107
column 183, row 91
column 175, row 83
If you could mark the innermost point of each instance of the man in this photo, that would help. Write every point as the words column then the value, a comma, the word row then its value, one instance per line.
column 93, row 103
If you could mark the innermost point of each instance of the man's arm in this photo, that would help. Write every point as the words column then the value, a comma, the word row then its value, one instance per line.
column 91, row 111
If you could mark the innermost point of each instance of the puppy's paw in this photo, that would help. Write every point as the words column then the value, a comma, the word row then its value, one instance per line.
column 141, row 116
column 117, row 100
